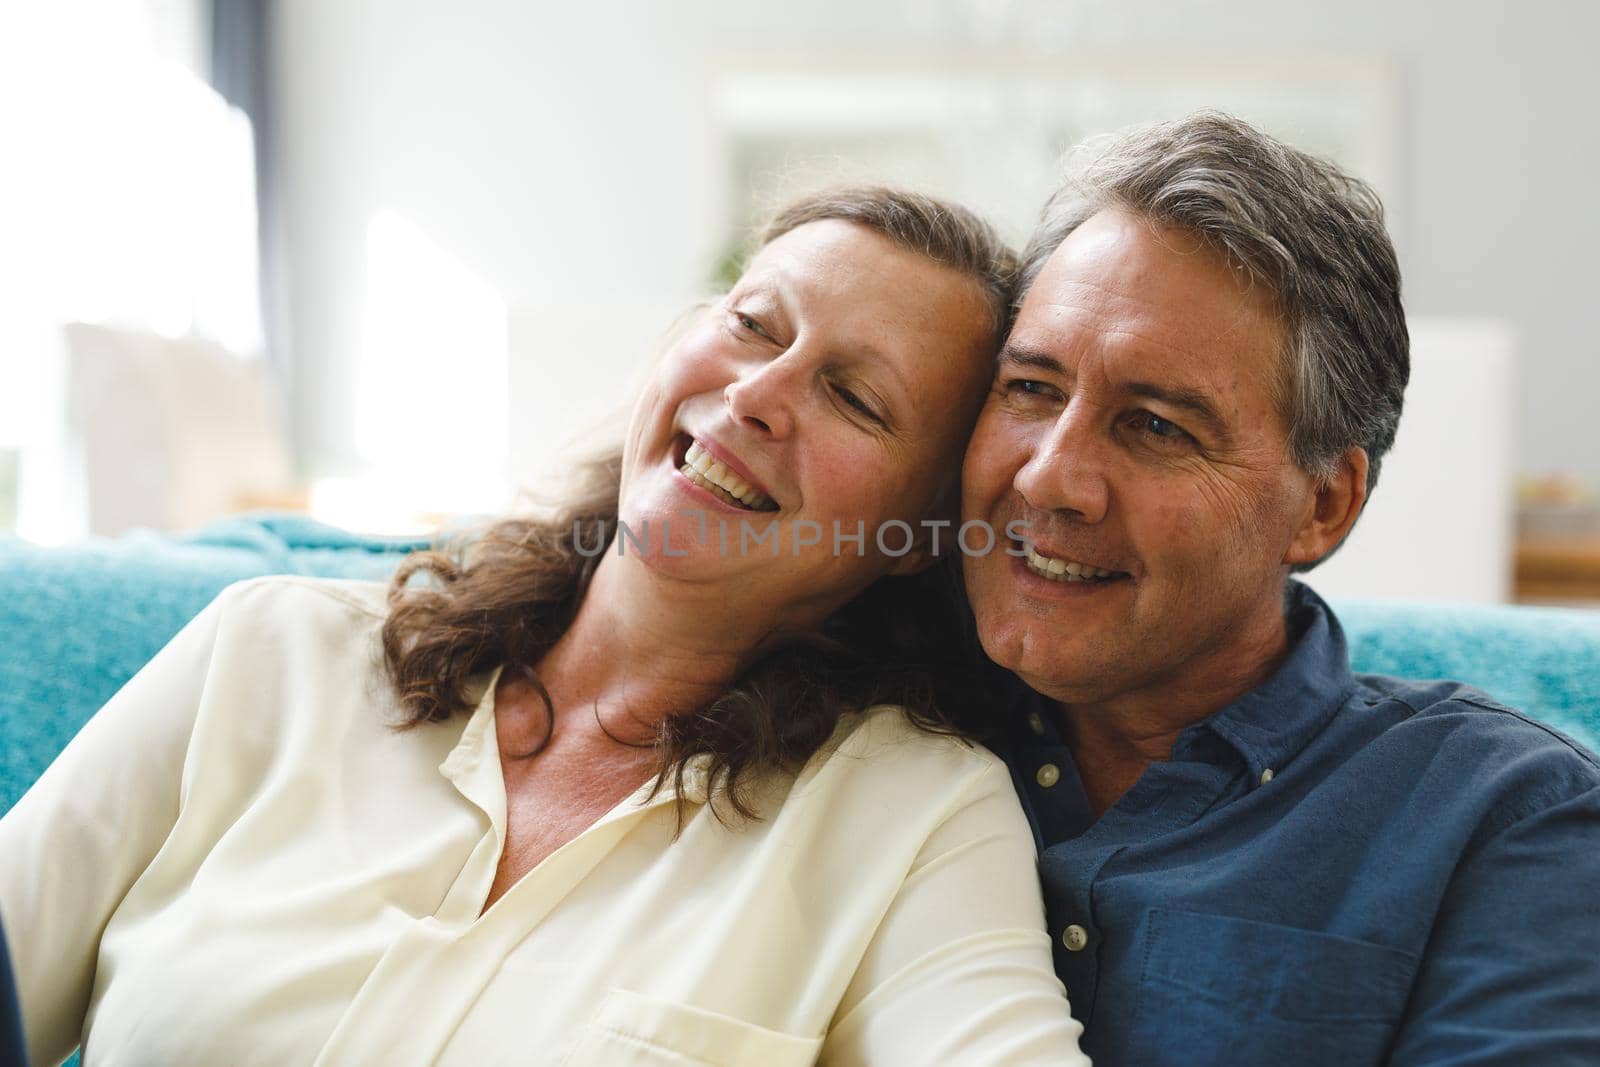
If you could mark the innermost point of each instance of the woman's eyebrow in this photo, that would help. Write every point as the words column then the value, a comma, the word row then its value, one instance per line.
column 874, row 357
column 761, row 285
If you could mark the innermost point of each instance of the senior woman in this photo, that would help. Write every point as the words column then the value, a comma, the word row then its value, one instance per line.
column 541, row 803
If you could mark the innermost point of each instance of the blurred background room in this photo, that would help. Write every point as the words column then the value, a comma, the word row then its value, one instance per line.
column 384, row 263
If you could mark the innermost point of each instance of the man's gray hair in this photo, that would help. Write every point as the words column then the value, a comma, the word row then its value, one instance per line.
column 1312, row 234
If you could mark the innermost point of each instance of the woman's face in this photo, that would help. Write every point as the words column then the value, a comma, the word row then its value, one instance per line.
column 831, row 391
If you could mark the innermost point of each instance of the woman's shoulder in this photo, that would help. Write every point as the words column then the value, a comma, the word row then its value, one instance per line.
column 905, row 795
column 274, row 595
column 311, row 628
column 889, row 727
column 293, row 661
column 884, row 751
column 283, row 612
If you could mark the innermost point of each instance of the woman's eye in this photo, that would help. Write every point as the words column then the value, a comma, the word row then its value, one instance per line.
column 747, row 323
column 856, row 402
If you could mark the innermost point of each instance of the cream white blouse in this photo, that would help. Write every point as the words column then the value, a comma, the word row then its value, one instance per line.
column 239, row 862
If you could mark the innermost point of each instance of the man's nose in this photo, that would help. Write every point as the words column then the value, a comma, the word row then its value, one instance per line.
column 1067, row 472
column 762, row 395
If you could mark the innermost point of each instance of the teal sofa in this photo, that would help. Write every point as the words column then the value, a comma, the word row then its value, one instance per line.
column 76, row 622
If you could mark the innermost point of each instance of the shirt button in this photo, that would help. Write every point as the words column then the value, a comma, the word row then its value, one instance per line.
column 1266, row 776
column 1048, row 775
column 1075, row 938
column 1036, row 723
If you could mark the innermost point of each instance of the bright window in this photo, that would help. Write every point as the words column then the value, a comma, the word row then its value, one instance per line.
column 128, row 198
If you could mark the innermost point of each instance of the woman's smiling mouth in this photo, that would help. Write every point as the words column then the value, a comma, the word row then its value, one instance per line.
column 701, row 468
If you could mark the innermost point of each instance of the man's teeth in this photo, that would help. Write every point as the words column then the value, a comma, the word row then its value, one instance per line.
column 709, row 474
column 1061, row 570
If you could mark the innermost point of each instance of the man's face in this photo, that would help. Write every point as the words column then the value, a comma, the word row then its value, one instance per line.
column 1132, row 425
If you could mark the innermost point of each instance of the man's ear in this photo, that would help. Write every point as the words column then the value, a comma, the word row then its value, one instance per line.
column 1335, row 506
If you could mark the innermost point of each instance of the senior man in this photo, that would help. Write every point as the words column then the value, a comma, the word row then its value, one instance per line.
column 1249, row 854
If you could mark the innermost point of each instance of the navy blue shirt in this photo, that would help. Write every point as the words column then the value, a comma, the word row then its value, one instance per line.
column 1334, row 869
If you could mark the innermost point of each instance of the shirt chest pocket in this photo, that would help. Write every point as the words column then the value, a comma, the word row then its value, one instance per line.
column 1220, row 990
column 633, row 1030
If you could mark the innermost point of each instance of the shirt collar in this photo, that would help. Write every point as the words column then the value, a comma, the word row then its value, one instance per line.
column 473, row 767
column 1272, row 723
column 1269, row 725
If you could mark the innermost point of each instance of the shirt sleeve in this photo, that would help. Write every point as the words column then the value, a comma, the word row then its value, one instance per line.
column 75, row 843
column 960, row 970
column 1511, row 974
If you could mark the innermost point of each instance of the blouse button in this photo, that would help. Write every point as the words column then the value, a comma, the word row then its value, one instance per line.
column 1048, row 775
column 1075, row 938
column 1036, row 723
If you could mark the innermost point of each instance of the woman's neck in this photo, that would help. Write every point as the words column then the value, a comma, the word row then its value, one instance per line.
column 643, row 647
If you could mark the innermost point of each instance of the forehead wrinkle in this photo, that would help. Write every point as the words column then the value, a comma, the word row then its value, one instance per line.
column 1104, row 313
column 1103, row 274
column 1133, row 316
column 802, row 283
column 1116, row 346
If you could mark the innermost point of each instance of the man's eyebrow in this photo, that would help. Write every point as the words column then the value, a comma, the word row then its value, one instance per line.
column 1020, row 356
column 1190, row 400
column 1193, row 401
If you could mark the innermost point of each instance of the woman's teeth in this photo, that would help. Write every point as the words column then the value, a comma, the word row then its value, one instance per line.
column 707, row 473
column 1061, row 570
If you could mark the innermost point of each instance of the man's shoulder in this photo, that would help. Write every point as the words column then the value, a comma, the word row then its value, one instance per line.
column 1450, row 706
column 1483, row 742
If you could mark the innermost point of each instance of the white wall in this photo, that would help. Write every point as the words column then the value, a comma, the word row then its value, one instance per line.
column 561, row 152
column 567, row 153
column 1437, row 526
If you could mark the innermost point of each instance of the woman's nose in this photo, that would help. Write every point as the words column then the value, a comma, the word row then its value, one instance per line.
column 1066, row 473
column 762, row 396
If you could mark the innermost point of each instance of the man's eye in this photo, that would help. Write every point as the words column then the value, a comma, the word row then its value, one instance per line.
column 1027, row 387
column 1162, row 429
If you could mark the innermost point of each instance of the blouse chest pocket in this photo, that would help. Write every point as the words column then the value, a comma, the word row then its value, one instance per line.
column 632, row 1030
column 1220, row 990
